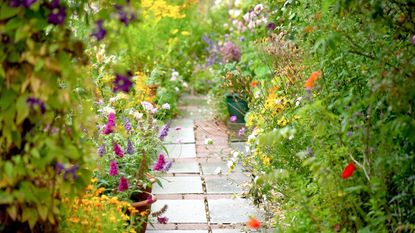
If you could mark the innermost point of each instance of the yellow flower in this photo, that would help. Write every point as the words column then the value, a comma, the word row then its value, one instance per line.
column 73, row 219
column 174, row 31
column 185, row 33
column 93, row 180
column 90, row 187
column 282, row 122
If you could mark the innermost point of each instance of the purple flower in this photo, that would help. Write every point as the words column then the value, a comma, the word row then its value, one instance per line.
column 413, row 39
column 310, row 151
column 160, row 163
column 349, row 133
column 72, row 170
column 164, row 131
column 100, row 32
column 109, row 127
column 241, row 131
column 123, row 82
column 271, row 26
column 162, row 220
column 57, row 13
column 33, row 102
column 101, row 150
column 125, row 16
column 230, row 52
column 130, row 147
column 167, row 166
column 127, row 125
column 113, row 168
column 150, row 199
column 233, row 118
column 118, row 151
column 24, row 3
column 123, row 185
column 59, row 167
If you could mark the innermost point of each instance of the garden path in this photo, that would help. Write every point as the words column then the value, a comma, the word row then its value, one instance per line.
column 202, row 196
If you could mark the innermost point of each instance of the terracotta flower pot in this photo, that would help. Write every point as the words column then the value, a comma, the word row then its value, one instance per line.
column 141, row 202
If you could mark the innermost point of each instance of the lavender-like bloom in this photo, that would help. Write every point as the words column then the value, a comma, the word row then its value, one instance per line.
column 164, row 131
column 160, row 163
column 100, row 32
column 233, row 118
column 162, row 220
column 168, row 165
column 124, row 16
column 57, row 13
column 127, row 125
column 109, row 127
column 101, row 150
column 118, row 151
column 230, row 52
column 113, row 168
column 122, row 82
column 59, row 167
column 36, row 102
column 24, row 3
column 349, row 133
column 241, row 131
column 310, row 151
column 123, row 185
column 130, row 147
column 72, row 170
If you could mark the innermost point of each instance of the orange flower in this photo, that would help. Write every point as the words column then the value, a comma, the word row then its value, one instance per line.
column 253, row 84
column 309, row 84
column 253, row 223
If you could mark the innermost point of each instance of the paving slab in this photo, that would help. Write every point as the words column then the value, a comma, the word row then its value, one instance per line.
column 184, row 135
column 179, row 231
column 240, row 146
column 182, row 211
column 180, row 166
column 182, row 123
column 226, row 230
column 181, row 150
column 210, row 167
column 179, row 185
column 230, row 210
column 225, row 184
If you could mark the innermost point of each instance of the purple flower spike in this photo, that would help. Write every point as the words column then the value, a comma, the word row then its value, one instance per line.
column 164, row 131
column 122, row 83
column 100, row 32
column 241, row 131
column 113, row 168
column 127, row 125
column 130, row 147
column 123, row 185
column 72, row 170
column 101, row 150
column 168, row 165
column 24, row 3
column 33, row 102
column 118, row 151
column 160, row 163
column 59, row 167
column 109, row 127
column 162, row 220
column 57, row 14
column 233, row 118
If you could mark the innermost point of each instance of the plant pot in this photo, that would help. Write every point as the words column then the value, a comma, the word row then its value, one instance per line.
column 141, row 204
column 237, row 107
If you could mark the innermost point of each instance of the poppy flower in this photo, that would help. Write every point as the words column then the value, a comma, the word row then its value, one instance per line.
column 309, row 84
column 253, row 84
column 253, row 223
column 348, row 171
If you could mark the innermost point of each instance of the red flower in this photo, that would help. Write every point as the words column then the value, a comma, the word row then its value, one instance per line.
column 309, row 84
column 348, row 171
column 253, row 223
column 253, row 84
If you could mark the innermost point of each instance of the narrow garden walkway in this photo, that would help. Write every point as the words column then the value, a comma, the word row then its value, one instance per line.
column 200, row 193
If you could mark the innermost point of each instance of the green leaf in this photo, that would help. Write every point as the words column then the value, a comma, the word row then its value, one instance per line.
column 5, row 198
column 22, row 109
column 13, row 24
column 6, row 11
column 8, row 168
column 43, row 211
column 12, row 211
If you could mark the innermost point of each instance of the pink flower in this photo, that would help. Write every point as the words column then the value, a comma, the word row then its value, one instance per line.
column 113, row 168
column 160, row 163
column 150, row 199
column 123, row 184
column 109, row 127
column 118, row 151
column 162, row 220
column 233, row 118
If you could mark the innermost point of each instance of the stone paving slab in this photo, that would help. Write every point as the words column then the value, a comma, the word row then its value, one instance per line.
column 184, row 135
column 179, row 185
column 240, row 146
column 181, row 150
column 182, row 123
column 225, row 184
column 179, row 231
column 184, row 166
column 230, row 210
column 210, row 167
column 182, row 211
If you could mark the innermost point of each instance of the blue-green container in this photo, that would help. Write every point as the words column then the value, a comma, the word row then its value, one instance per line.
column 237, row 107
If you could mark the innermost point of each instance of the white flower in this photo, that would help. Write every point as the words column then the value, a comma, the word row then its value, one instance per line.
column 258, row 8
column 225, row 25
column 251, row 24
column 165, row 106
column 208, row 141
column 177, row 89
column 246, row 17
column 173, row 78
column 238, row 3
column 147, row 106
column 185, row 85
column 298, row 101
column 235, row 154
column 234, row 13
column 154, row 110
column 108, row 110
column 218, row 171
column 138, row 115
column 230, row 164
column 113, row 99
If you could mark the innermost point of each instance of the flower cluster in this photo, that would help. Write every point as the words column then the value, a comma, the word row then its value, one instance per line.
column 110, row 126
column 230, row 52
